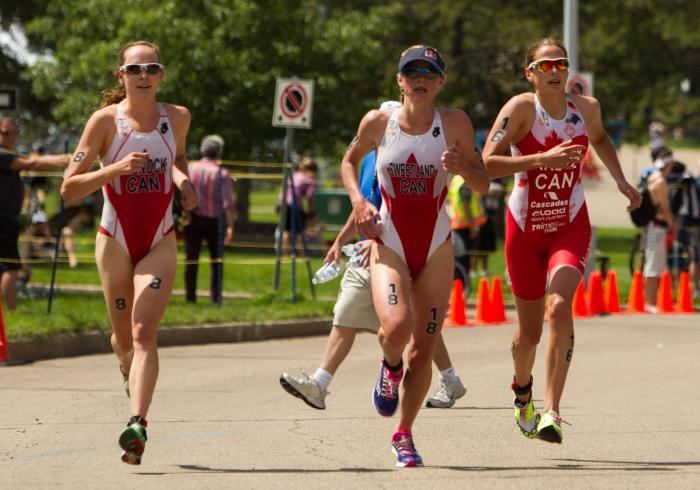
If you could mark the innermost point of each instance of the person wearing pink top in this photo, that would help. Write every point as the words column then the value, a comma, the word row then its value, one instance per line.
column 212, row 220
column 304, row 187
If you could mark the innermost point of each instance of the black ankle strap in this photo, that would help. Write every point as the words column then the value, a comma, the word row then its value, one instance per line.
column 137, row 419
column 521, row 390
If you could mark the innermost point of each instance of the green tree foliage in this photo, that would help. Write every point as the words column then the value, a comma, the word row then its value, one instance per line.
column 223, row 56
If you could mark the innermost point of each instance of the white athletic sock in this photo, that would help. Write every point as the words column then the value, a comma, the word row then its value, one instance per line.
column 449, row 375
column 322, row 377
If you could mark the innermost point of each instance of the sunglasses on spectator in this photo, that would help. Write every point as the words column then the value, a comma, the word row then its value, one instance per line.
column 414, row 72
column 138, row 68
column 547, row 65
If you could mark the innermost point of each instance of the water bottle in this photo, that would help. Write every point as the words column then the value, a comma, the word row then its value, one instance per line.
column 352, row 250
column 328, row 272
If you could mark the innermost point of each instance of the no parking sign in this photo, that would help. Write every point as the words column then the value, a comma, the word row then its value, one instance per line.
column 293, row 103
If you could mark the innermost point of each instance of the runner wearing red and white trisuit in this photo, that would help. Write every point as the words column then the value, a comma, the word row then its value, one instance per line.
column 547, row 218
column 127, row 196
column 418, row 147
column 413, row 184
column 547, row 228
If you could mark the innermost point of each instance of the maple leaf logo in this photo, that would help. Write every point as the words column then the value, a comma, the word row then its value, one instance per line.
column 522, row 183
column 552, row 140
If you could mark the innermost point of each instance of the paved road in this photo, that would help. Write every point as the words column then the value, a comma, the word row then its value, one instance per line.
column 220, row 419
column 606, row 206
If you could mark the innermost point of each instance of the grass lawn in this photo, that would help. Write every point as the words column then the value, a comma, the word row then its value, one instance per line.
column 80, row 312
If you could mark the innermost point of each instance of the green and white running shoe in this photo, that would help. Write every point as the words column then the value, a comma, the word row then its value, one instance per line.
column 549, row 428
column 526, row 418
column 133, row 440
column 125, row 377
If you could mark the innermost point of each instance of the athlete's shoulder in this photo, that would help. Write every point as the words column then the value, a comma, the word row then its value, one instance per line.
column 455, row 118
column 177, row 112
column 585, row 102
column 375, row 121
column 522, row 102
column 103, row 119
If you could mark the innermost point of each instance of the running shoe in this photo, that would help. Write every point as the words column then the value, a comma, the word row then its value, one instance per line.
column 385, row 395
column 404, row 450
column 133, row 440
column 305, row 388
column 125, row 377
column 447, row 394
column 526, row 418
column 549, row 428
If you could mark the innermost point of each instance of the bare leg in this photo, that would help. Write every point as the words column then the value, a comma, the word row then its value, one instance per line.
column 560, row 346
column 527, row 335
column 116, row 271
column 441, row 357
column 8, row 284
column 69, row 245
column 430, row 297
column 651, row 289
column 153, row 282
column 391, row 293
column 338, row 347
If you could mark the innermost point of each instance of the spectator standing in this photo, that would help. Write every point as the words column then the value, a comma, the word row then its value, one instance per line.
column 302, row 189
column 655, row 253
column 210, row 220
column 11, row 197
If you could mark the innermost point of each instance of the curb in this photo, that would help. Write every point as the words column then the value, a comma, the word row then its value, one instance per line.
column 83, row 344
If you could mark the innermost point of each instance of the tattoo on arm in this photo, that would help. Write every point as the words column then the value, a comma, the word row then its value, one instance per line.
column 498, row 136
column 79, row 157
column 120, row 303
column 393, row 297
column 505, row 123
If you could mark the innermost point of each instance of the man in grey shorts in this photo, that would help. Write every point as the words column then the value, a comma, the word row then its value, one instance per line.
column 354, row 310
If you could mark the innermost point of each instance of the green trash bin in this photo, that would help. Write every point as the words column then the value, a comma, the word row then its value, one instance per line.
column 332, row 206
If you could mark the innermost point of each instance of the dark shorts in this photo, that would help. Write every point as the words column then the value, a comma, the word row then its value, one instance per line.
column 486, row 239
column 301, row 219
column 9, row 236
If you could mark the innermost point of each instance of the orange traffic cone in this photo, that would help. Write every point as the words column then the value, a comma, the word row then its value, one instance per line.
column 683, row 302
column 635, row 301
column 596, row 302
column 580, row 306
column 457, row 316
column 483, row 305
column 3, row 338
column 664, row 298
column 610, row 295
column 498, row 310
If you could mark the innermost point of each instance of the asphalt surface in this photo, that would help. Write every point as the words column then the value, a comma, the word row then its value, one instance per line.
column 221, row 420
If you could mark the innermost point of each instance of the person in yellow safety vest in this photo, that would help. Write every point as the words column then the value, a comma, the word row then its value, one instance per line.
column 466, row 214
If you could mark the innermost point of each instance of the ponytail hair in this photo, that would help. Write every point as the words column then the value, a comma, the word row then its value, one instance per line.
column 117, row 93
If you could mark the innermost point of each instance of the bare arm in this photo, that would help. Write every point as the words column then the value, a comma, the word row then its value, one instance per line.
column 462, row 156
column 78, row 182
column 510, row 127
column 365, row 214
column 181, row 118
column 659, row 191
column 40, row 162
column 599, row 139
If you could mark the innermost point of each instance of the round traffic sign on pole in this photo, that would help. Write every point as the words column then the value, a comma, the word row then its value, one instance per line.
column 293, row 103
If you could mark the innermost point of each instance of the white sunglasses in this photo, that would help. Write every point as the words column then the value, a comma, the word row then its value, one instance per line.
column 138, row 68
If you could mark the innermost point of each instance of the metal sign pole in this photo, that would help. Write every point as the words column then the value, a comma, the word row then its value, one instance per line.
column 571, row 33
